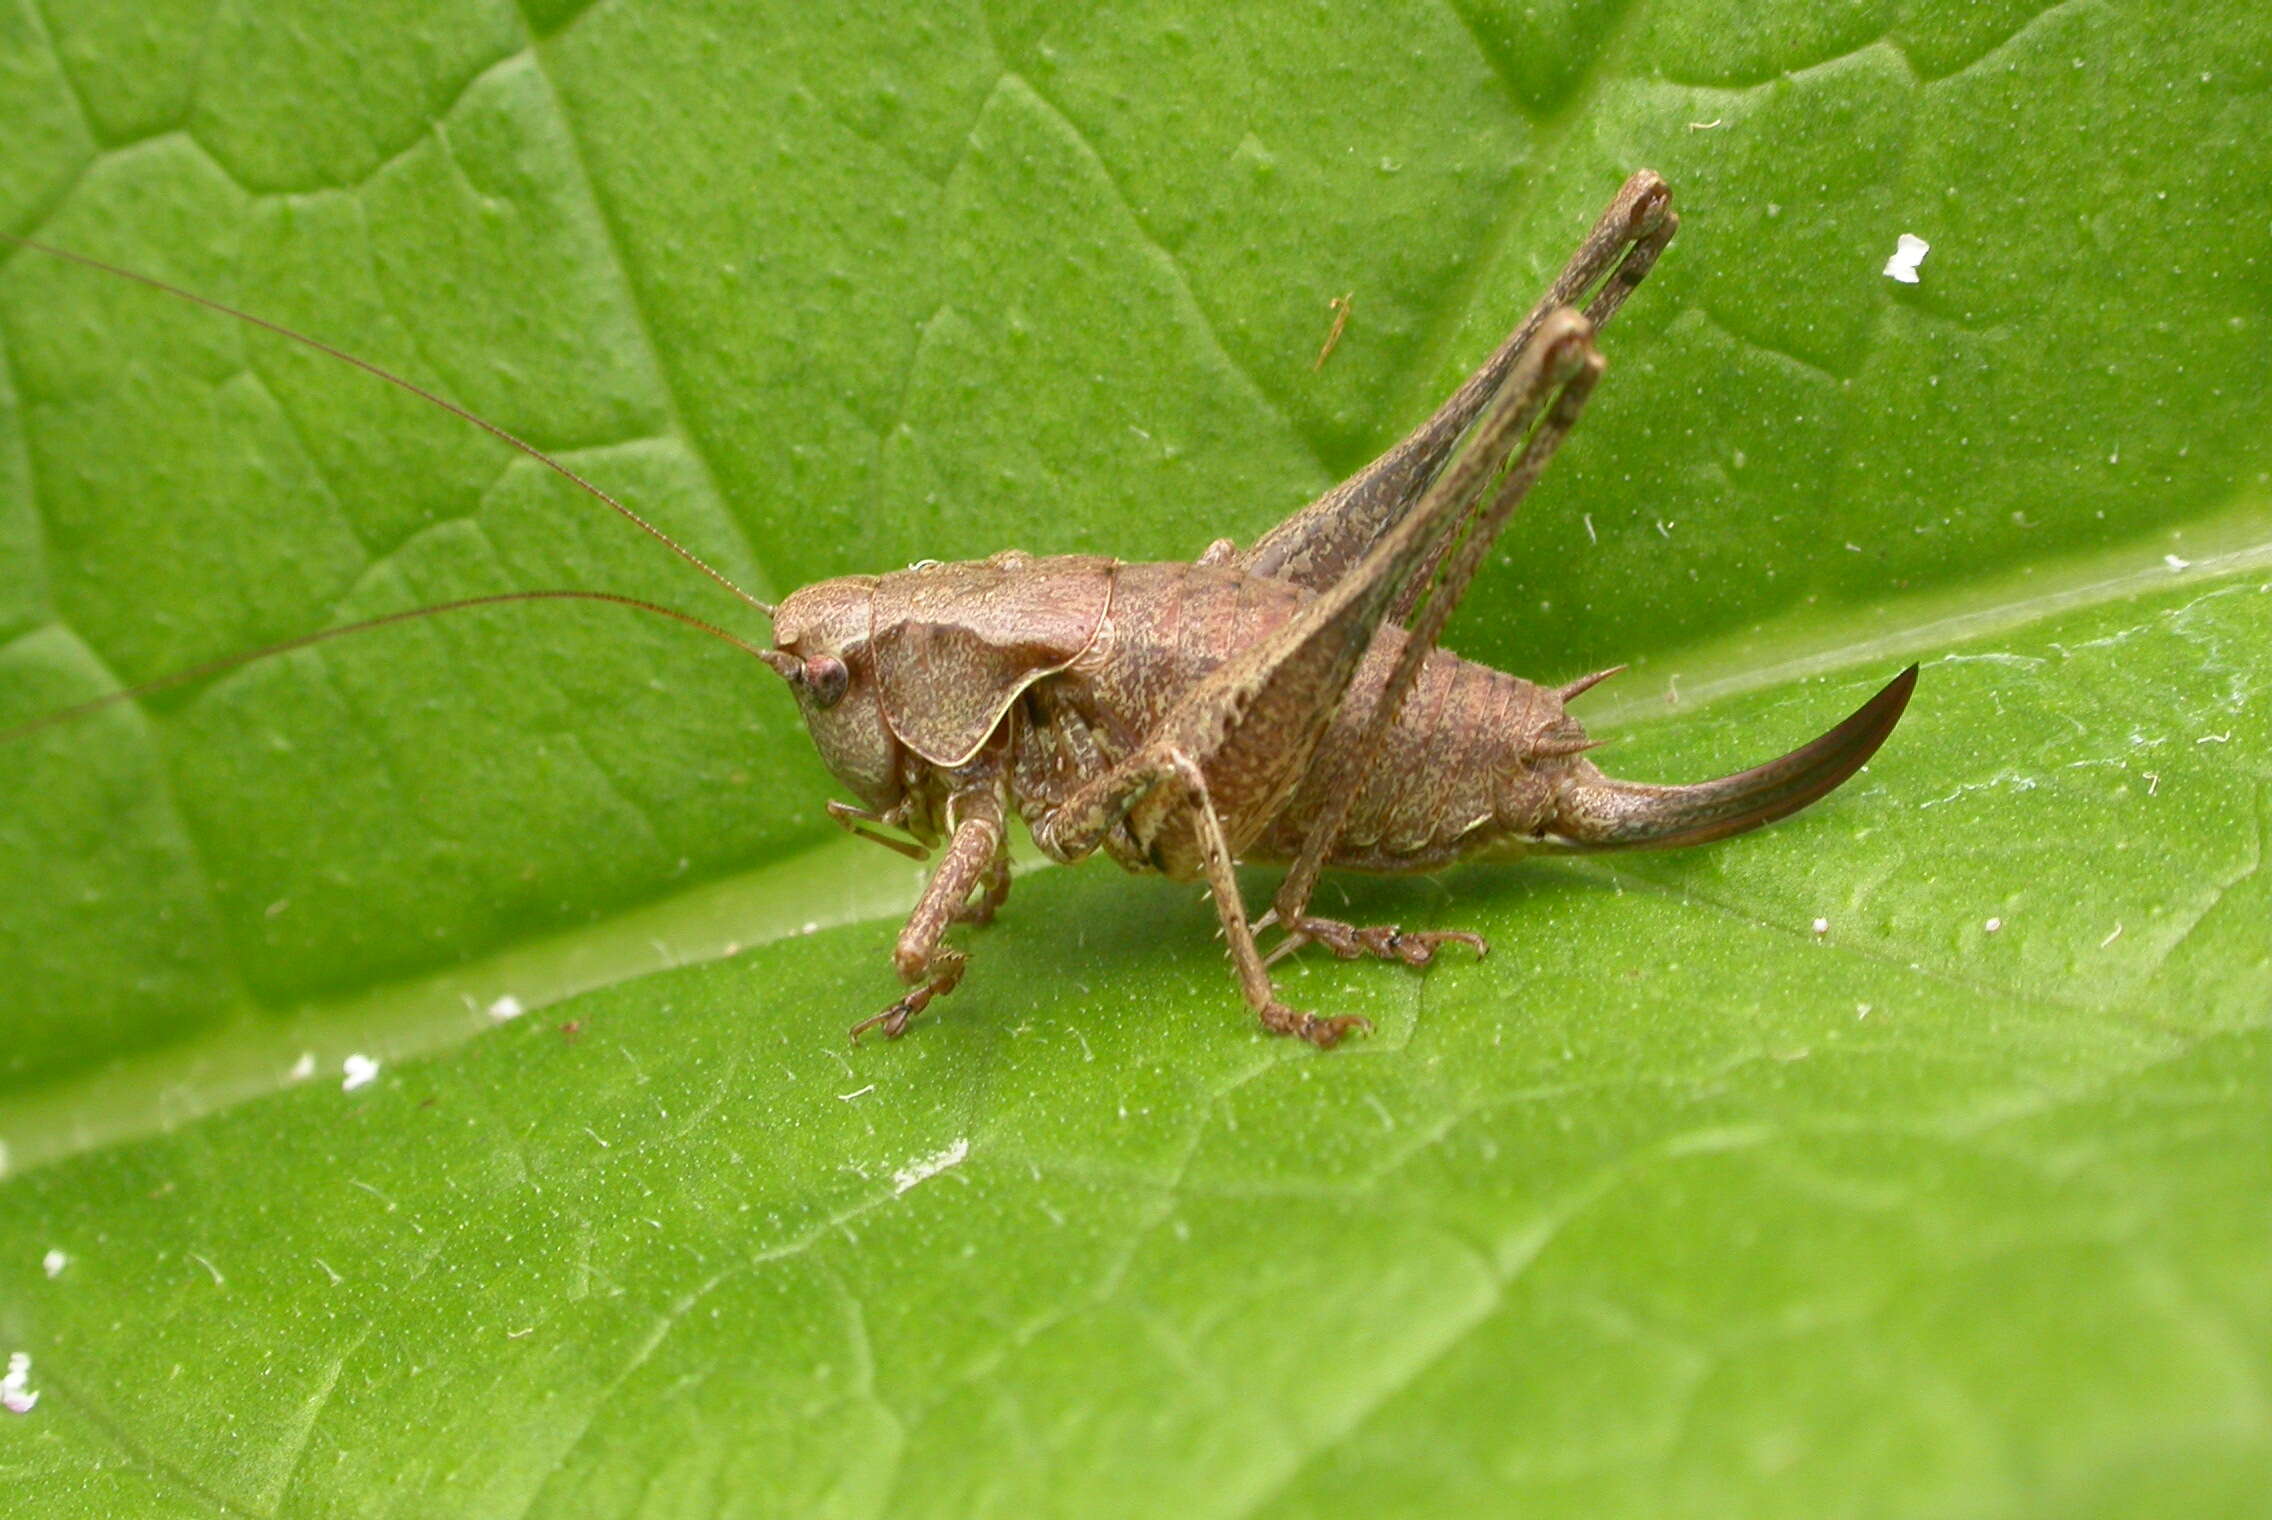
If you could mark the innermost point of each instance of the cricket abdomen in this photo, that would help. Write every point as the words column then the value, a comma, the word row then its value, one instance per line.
column 1478, row 763
column 1473, row 764
column 1473, row 759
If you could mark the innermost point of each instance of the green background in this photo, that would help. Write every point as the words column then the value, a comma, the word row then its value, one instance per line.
column 1674, row 1206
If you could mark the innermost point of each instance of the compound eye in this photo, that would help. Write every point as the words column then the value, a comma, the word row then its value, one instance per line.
column 826, row 678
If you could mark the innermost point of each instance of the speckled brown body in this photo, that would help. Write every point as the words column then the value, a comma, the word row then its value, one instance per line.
column 1470, row 765
column 1284, row 703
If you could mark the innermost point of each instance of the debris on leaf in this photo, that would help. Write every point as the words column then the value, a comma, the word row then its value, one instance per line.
column 1339, row 306
column 358, row 1071
column 924, row 1168
column 54, row 1262
column 1908, row 253
column 16, row 1394
column 506, row 1007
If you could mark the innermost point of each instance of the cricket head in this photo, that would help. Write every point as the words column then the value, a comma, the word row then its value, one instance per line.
column 821, row 647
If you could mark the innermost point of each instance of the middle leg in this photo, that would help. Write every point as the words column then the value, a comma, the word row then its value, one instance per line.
column 993, row 890
column 1080, row 827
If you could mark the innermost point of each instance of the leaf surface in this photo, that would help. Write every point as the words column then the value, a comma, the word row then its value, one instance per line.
column 1909, row 1158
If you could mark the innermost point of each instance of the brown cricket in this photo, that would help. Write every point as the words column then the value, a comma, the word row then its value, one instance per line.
column 1284, row 704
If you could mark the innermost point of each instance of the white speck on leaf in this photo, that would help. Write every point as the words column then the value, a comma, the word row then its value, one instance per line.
column 924, row 1168
column 358, row 1071
column 1993, row 925
column 16, row 1393
column 1822, row 926
column 305, row 1067
column 2176, row 562
column 1908, row 253
column 506, row 1007
column 374, row 1192
column 54, row 1262
column 858, row 1093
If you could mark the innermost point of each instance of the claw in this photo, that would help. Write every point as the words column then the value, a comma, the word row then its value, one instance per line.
column 1420, row 949
column 1327, row 1033
column 893, row 1020
column 1324, row 1033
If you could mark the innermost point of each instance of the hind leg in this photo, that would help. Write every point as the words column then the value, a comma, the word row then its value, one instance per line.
column 1560, row 382
column 1322, row 542
column 1385, row 942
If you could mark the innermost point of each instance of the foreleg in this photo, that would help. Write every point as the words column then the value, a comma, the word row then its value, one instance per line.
column 929, row 966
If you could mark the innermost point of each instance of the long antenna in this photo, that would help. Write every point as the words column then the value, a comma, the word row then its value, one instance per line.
column 417, row 390
column 229, row 662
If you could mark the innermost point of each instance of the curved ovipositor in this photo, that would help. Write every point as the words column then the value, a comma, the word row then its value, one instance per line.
column 1598, row 812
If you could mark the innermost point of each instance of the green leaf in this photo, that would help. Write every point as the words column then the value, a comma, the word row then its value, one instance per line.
column 1909, row 1158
